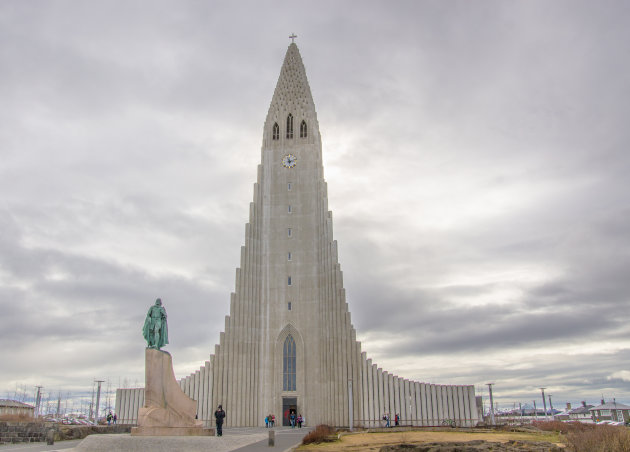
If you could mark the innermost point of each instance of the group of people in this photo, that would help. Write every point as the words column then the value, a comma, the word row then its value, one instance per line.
column 270, row 420
column 296, row 420
column 396, row 420
column 111, row 418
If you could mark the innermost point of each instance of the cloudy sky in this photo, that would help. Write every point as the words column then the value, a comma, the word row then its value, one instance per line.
column 477, row 157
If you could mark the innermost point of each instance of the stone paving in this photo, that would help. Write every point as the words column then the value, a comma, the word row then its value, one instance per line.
column 233, row 440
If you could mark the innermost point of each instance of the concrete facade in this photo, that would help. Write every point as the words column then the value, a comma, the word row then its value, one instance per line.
column 289, row 301
column 13, row 407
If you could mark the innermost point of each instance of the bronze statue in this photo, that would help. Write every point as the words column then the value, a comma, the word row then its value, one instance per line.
column 155, row 329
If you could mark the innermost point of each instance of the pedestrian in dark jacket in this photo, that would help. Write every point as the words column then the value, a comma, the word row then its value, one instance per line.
column 219, row 414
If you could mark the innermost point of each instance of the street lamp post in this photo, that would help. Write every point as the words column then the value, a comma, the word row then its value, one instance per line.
column 544, row 401
column 491, row 404
column 350, row 406
column 98, row 400
column 38, row 400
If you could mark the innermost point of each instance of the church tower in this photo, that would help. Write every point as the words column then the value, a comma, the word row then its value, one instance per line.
column 288, row 311
column 289, row 344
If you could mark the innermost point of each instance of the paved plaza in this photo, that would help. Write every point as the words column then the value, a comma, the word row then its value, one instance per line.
column 235, row 439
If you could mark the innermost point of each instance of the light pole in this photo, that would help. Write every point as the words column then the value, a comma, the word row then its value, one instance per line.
column 544, row 401
column 535, row 410
column 98, row 400
column 350, row 405
column 550, row 406
column 491, row 403
column 38, row 400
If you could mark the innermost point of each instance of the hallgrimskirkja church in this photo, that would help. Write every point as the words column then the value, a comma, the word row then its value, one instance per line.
column 289, row 344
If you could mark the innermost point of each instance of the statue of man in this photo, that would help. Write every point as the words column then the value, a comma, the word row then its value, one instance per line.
column 155, row 330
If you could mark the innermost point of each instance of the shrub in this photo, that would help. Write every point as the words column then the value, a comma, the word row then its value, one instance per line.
column 322, row 433
column 601, row 438
column 563, row 427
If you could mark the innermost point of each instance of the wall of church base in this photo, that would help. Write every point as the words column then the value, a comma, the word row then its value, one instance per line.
column 424, row 404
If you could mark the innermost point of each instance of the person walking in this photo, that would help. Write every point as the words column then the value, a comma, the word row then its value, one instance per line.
column 396, row 419
column 299, row 420
column 219, row 415
column 273, row 420
column 292, row 417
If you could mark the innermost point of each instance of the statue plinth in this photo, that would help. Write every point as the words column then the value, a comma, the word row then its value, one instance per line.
column 167, row 410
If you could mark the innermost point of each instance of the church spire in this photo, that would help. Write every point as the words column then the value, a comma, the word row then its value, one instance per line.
column 292, row 95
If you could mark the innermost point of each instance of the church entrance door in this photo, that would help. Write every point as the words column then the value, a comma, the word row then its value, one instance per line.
column 289, row 405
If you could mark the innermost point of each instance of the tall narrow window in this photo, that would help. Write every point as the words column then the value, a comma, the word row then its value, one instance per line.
column 289, row 209
column 290, row 126
column 276, row 131
column 289, row 281
column 289, row 256
column 288, row 364
column 288, row 186
column 289, row 305
column 303, row 129
column 289, row 232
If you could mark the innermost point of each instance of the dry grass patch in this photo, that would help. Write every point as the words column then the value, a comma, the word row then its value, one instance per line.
column 603, row 438
column 374, row 441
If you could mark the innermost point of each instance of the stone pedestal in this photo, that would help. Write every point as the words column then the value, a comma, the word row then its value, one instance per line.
column 167, row 410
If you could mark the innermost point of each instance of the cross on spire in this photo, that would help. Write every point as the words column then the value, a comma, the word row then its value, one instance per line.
column 293, row 36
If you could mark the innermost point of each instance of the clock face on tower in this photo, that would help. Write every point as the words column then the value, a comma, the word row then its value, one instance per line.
column 289, row 161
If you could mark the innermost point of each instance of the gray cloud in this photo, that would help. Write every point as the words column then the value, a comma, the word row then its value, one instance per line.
column 476, row 158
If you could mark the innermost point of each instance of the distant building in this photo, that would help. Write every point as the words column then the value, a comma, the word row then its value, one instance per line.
column 610, row 411
column 580, row 414
column 16, row 408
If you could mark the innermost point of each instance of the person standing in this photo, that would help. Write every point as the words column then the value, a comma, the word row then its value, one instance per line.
column 219, row 415
column 292, row 418
column 266, row 421
column 299, row 420
column 396, row 419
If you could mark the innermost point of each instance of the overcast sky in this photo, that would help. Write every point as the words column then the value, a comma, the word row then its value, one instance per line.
column 476, row 154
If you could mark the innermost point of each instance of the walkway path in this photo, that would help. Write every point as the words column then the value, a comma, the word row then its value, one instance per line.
column 233, row 439
column 285, row 439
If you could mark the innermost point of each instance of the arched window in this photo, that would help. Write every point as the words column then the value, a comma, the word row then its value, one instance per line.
column 276, row 131
column 303, row 129
column 290, row 126
column 288, row 364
